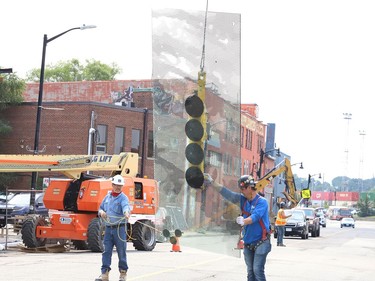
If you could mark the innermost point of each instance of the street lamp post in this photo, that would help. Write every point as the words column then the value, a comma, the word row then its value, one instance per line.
column 301, row 165
column 40, row 100
column 310, row 177
column 262, row 153
column 306, row 196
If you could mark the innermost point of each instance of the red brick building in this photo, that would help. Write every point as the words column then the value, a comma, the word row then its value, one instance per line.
column 253, row 136
column 71, row 109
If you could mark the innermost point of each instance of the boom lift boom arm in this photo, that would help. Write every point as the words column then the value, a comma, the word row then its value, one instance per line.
column 71, row 166
column 290, row 190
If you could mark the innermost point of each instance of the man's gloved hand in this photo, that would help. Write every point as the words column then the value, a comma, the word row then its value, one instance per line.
column 240, row 220
column 103, row 214
column 127, row 215
column 207, row 179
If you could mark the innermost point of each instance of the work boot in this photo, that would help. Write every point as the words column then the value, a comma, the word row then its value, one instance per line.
column 103, row 277
column 122, row 275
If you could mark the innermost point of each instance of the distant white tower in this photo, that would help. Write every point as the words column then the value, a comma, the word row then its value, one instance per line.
column 362, row 133
column 348, row 117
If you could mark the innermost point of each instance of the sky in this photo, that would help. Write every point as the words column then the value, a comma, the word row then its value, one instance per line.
column 308, row 65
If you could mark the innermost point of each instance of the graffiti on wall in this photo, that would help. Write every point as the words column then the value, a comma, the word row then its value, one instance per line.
column 125, row 97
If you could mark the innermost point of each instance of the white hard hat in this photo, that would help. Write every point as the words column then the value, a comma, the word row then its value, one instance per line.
column 118, row 180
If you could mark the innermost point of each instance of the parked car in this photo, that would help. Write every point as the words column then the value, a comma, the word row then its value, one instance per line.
column 19, row 205
column 4, row 198
column 314, row 221
column 321, row 210
column 322, row 218
column 296, row 225
column 347, row 222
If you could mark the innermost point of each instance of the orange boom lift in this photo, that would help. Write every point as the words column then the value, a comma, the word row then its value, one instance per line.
column 74, row 201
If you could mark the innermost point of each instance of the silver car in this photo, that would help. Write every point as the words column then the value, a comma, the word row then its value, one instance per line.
column 322, row 219
column 347, row 222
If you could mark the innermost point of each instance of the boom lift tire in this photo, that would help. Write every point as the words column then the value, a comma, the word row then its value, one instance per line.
column 28, row 232
column 143, row 235
column 95, row 235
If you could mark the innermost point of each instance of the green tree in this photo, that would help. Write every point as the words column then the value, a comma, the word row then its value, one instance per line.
column 11, row 93
column 73, row 70
column 365, row 206
column 97, row 71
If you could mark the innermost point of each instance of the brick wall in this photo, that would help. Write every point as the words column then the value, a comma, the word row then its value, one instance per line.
column 69, row 128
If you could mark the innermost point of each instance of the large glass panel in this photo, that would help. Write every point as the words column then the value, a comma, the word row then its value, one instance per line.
column 183, row 51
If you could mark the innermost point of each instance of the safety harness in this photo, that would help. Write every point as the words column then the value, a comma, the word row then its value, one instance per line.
column 265, row 234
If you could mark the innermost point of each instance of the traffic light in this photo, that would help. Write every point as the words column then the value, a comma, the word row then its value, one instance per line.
column 195, row 130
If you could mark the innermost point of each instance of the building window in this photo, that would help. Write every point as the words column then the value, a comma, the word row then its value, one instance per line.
column 228, row 132
column 242, row 135
column 136, row 141
column 150, row 145
column 101, row 139
column 119, row 140
column 227, row 161
column 214, row 159
column 249, row 139
column 246, row 167
column 237, row 166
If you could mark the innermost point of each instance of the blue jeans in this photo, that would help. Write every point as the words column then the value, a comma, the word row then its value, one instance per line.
column 114, row 237
column 280, row 234
column 256, row 260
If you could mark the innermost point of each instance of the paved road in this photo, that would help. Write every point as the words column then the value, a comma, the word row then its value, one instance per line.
column 339, row 254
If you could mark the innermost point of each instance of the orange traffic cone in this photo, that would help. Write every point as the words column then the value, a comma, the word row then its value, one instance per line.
column 175, row 244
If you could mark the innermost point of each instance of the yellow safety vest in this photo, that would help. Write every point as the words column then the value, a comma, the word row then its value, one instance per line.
column 279, row 219
column 305, row 193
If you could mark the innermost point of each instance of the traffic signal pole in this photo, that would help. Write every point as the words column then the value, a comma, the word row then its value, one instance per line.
column 195, row 130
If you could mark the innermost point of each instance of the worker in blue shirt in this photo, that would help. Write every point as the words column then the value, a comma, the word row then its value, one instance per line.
column 115, row 211
column 254, row 220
